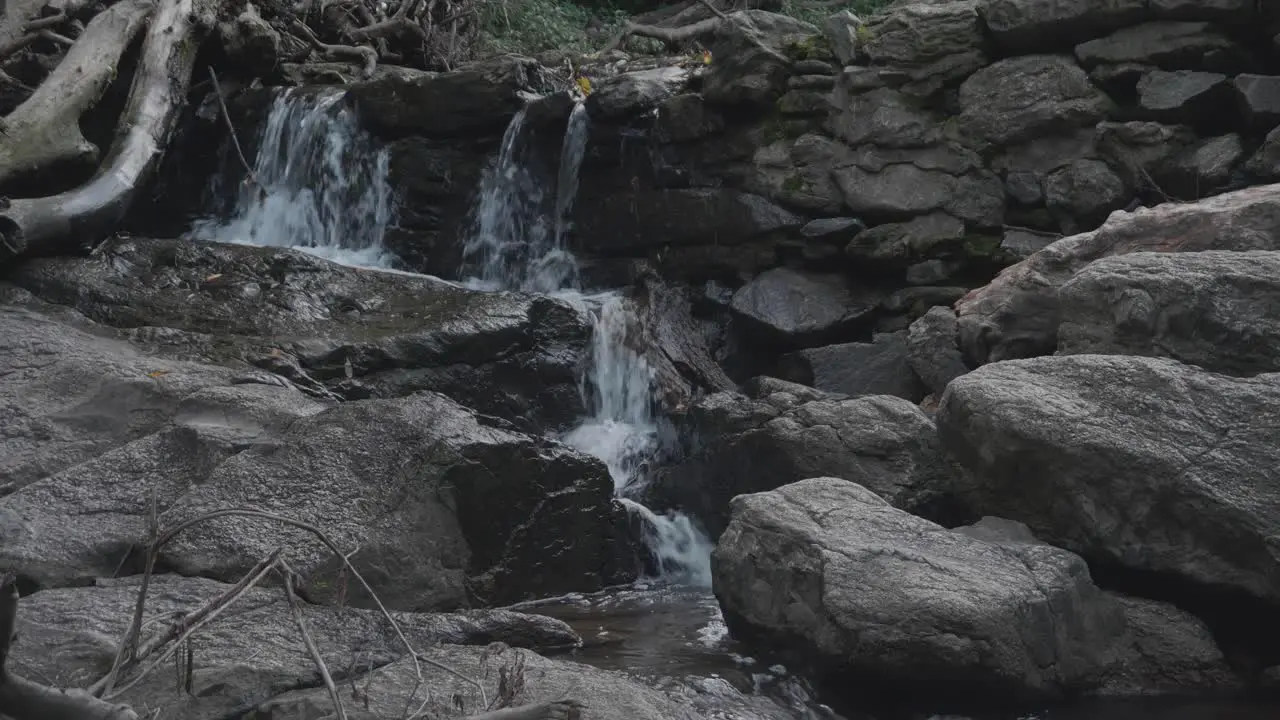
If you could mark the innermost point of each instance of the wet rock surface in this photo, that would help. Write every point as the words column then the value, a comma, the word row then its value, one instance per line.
column 864, row 588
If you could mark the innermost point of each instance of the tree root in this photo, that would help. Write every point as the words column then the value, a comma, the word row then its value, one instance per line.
column 366, row 55
column 44, row 131
column 672, row 36
column 150, row 115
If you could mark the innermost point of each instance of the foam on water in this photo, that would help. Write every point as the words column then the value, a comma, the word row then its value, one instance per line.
column 513, row 246
column 322, row 185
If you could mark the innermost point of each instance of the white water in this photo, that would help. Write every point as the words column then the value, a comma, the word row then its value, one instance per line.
column 514, row 247
column 322, row 185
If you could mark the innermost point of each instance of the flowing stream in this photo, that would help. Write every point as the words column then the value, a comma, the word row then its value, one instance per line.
column 518, row 243
column 322, row 188
column 321, row 185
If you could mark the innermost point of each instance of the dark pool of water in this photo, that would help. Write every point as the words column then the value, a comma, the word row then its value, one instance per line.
column 677, row 634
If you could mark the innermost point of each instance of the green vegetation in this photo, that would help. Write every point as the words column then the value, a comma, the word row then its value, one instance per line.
column 530, row 27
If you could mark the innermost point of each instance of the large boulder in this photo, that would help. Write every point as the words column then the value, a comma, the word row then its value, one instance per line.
column 1017, row 314
column 1212, row 309
column 1166, row 45
column 927, row 45
column 795, row 308
column 753, row 52
column 1033, row 25
column 480, row 96
column 350, row 332
column 252, row 660
column 828, row 568
column 899, row 184
column 932, row 351
column 1024, row 98
column 876, row 368
column 428, row 533
column 1139, row 463
column 783, row 433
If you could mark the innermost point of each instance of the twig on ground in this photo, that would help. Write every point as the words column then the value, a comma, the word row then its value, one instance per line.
column 295, row 609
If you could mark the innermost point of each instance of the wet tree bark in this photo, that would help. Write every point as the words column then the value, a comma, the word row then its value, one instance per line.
column 45, row 130
column 159, row 88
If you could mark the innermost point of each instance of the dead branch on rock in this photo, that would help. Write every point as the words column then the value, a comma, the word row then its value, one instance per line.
column 150, row 115
column 23, row 699
column 366, row 55
column 45, row 130
column 231, row 128
column 295, row 609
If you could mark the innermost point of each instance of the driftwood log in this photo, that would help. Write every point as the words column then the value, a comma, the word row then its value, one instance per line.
column 156, row 97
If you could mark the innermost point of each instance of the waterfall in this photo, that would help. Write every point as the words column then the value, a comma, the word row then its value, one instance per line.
column 511, row 241
column 514, row 248
column 322, row 185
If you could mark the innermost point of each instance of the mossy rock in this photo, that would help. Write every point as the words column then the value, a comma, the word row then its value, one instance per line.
column 981, row 246
column 809, row 47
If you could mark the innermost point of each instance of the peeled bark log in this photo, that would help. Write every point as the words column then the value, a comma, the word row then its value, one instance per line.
column 22, row 699
column 44, row 131
column 150, row 115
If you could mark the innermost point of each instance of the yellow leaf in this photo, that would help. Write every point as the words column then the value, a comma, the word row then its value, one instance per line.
column 157, row 373
column 585, row 85
column 213, row 277
column 706, row 57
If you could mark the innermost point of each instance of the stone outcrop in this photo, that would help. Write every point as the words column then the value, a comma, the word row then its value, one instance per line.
column 350, row 332
column 1141, row 463
column 1018, row 313
column 827, row 567
column 783, row 433
column 1213, row 309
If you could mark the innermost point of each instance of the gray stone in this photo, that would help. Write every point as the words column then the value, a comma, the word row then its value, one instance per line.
column 1259, row 99
column 251, row 659
column 827, row 567
column 656, row 217
column 1119, row 81
column 932, row 350
column 932, row 272
column 751, row 66
column 798, row 173
column 1237, row 11
column 804, row 102
column 1023, row 98
column 1265, row 162
column 812, row 82
column 909, row 242
column 1163, row 44
column 801, row 308
column 912, row 302
column 1022, row 244
column 841, row 30
column 1184, row 95
column 1033, row 25
column 1201, row 169
column 856, row 369
column 635, row 93
column 1141, row 150
column 1082, row 194
column 1212, row 309
column 838, row 229
column 883, row 117
column 1016, row 315
column 898, row 184
column 927, row 46
column 362, row 333
column 1024, row 187
column 1044, row 439
column 428, row 533
column 787, row 433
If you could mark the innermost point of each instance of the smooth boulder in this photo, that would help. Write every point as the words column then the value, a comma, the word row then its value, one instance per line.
column 1214, row 309
column 1138, row 463
column 826, row 567
column 879, row 367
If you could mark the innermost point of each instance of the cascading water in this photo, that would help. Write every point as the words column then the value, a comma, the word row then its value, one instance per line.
column 321, row 185
column 514, row 248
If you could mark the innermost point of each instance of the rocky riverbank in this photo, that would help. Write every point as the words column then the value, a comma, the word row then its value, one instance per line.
column 953, row 330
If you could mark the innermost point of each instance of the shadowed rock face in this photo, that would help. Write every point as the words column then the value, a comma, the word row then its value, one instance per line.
column 361, row 333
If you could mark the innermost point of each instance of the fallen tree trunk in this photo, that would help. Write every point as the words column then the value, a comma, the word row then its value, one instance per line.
column 150, row 115
column 22, row 699
column 44, row 131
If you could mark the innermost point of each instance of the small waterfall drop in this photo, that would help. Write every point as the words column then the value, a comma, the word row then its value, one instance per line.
column 322, row 185
column 514, row 248
column 512, row 244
